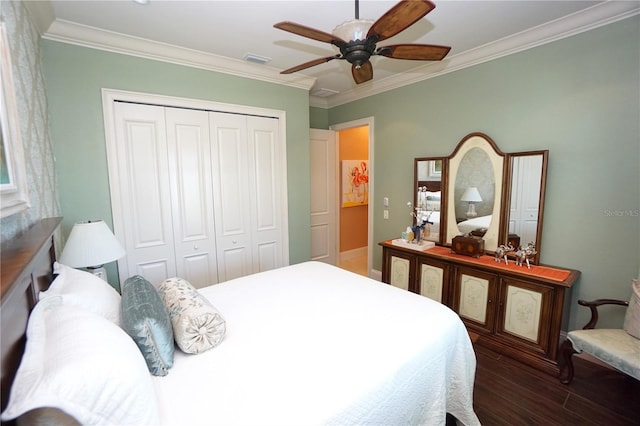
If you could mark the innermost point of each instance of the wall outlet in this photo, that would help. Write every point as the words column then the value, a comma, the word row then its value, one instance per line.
column 386, row 214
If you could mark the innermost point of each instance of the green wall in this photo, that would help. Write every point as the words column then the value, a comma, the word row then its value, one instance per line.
column 580, row 99
column 74, row 78
column 319, row 118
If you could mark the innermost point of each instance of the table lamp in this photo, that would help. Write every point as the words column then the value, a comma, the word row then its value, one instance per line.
column 471, row 195
column 90, row 245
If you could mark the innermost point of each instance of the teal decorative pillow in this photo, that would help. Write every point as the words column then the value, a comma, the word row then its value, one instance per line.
column 197, row 325
column 632, row 318
column 145, row 319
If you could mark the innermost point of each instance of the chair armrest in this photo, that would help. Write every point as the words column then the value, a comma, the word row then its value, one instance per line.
column 593, row 305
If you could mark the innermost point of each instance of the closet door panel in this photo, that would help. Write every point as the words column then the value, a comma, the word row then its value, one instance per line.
column 268, row 255
column 191, row 193
column 157, row 270
column 236, row 262
column 140, row 192
column 264, row 191
column 231, row 195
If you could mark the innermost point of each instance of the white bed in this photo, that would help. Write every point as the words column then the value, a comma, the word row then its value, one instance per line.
column 307, row 344
column 477, row 222
column 314, row 344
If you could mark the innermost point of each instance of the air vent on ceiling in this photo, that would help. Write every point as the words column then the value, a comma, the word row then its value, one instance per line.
column 256, row 59
column 324, row 93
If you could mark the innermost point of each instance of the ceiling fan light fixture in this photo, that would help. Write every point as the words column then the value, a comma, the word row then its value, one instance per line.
column 357, row 39
column 353, row 30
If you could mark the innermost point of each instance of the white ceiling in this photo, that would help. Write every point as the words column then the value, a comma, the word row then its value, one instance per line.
column 218, row 34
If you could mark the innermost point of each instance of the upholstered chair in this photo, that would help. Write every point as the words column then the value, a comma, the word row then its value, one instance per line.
column 619, row 348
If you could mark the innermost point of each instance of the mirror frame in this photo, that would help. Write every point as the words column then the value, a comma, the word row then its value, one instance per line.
column 443, row 189
column 541, row 196
column 498, row 160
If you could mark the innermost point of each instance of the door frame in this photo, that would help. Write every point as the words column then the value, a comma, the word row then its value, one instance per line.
column 110, row 96
column 367, row 121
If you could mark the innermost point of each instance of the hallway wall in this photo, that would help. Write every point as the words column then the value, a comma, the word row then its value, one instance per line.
column 354, row 145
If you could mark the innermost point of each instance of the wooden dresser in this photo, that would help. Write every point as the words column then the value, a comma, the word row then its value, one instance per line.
column 514, row 310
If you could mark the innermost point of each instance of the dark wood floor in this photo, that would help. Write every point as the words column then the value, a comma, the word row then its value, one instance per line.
column 508, row 392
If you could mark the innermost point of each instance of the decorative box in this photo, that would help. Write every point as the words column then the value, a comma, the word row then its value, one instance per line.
column 468, row 245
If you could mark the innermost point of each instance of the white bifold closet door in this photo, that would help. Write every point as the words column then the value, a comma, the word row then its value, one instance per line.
column 247, row 198
column 195, row 193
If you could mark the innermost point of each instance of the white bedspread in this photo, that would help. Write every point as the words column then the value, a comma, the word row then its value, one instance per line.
column 312, row 344
column 475, row 223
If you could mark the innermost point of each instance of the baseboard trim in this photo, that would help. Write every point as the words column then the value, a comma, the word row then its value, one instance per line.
column 375, row 274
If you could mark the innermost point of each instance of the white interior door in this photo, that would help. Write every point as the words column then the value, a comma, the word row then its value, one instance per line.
column 139, row 178
column 323, row 165
column 189, row 157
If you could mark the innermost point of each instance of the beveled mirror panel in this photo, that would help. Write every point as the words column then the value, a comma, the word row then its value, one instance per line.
column 475, row 189
column 527, row 185
column 428, row 194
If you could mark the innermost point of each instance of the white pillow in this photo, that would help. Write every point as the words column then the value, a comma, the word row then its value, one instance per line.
column 84, row 290
column 84, row 365
column 433, row 195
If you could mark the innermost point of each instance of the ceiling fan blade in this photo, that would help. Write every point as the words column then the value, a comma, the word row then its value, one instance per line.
column 309, row 32
column 399, row 17
column 419, row 52
column 309, row 64
column 362, row 73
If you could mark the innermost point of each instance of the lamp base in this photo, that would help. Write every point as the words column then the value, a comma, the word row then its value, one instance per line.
column 472, row 211
column 98, row 271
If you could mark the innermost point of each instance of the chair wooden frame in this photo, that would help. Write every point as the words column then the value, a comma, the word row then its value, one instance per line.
column 567, row 350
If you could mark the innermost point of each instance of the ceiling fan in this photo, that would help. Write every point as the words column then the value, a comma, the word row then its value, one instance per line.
column 360, row 47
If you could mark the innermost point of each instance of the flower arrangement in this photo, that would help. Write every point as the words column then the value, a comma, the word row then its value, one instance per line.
column 422, row 221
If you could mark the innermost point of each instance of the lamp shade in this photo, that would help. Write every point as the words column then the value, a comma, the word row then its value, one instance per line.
column 356, row 29
column 471, row 194
column 91, row 244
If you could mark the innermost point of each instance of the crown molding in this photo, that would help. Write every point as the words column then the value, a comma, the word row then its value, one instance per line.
column 86, row 36
column 593, row 17
column 81, row 35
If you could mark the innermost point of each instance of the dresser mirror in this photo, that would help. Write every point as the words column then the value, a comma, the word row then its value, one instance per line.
column 525, row 192
column 428, row 194
column 475, row 190
column 484, row 192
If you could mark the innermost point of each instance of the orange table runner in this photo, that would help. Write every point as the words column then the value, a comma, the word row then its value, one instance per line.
column 547, row 272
